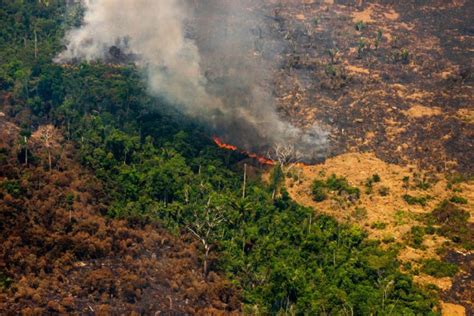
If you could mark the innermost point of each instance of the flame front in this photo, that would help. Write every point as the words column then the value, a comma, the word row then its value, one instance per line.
column 221, row 144
column 263, row 160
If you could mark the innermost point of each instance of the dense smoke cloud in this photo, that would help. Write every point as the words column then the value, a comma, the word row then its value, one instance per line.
column 211, row 58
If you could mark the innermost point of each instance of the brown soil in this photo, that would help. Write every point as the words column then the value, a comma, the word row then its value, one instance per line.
column 69, row 258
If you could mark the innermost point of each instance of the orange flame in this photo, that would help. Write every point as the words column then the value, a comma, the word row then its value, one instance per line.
column 261, row 159
column 221, row 144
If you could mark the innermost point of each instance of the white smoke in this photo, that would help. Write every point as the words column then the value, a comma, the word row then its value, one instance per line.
column 199, row 55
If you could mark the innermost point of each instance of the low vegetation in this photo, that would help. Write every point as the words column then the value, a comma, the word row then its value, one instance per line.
column 416, row 237
column 458, row 200
column 416, row 200
column 453, row 223
column 439, row 269
column 334, row 184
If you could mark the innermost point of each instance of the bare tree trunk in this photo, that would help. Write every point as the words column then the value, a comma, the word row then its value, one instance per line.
column 49, row 160
column 310, row 222
column 68, row 129
column 245, row 181
column 26, row 150
column 36, row 45
column 206, row 256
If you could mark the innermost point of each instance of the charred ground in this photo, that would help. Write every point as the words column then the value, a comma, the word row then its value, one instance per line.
column 390, row 77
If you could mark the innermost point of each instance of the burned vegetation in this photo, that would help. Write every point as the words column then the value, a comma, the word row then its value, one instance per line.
column 60, row 255
column 394, row 78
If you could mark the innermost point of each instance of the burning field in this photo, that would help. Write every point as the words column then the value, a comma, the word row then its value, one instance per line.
column 393, row 78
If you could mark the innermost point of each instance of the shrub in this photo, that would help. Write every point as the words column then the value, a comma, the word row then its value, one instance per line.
column 341, row 185
column 413, row 200
column 370, row 181
column 384, row 191
column 359, row 26
column 387, row 239
column 368, row 186
column 400, row 217
column 439, row 269
column 459, row 178
column 447, row 212
column 362, row 47
column 378, row 39
column 330, row 70
column 378, row 225
column 458, row 200
column 333, row 183
column 360, row 213
column 5, row 281
column 406, row 182
column 454, row 223
column 405, row 55
column 430, row 230
column 416, row 236
column 423, row 185
column 12, row 187
column 319, row 191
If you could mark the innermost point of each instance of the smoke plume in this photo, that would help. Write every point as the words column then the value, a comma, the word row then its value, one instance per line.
column 213, row 59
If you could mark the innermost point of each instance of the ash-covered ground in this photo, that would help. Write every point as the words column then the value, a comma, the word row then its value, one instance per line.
column 390, row 77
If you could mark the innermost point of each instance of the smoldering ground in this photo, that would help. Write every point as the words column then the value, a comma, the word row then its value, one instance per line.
column 212, row 58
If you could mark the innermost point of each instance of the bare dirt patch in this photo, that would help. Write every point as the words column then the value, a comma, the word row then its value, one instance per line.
column 449, row 309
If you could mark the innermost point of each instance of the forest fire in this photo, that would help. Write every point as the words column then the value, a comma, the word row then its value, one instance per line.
column 260, row 159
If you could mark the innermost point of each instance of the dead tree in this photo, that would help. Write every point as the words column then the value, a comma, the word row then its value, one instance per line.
column 36, row 45
column 49, row 138
column 24, row 143
column 286, row 155
column 244, row 188
column 205, row 227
